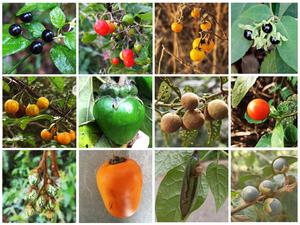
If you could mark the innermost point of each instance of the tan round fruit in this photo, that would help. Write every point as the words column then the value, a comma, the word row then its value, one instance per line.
column 170, row 122
column 217, row 109
column 193, row 119
column 189, row 101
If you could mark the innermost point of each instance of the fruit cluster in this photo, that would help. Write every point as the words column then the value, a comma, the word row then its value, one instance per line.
column 36, row 47
column 63, row 138
column 193, row 118
column 203, row 44
column 43, row 191
column 267, row 189
column 16, row 109
column 263, row 34
column 117, row 29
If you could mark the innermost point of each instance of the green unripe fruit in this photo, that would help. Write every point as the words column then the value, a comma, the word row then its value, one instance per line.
column 266, row 187
column 249, row 193
column 131, row 32
column 280, row 166
column 272, row 206
column 128, row 19
column 170, row 122
column 137, row 47
column 189, row 101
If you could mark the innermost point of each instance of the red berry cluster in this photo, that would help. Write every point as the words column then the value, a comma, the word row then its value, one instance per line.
column 128, row 57
column 103, row 27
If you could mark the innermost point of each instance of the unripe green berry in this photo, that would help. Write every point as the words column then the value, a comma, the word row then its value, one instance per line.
column 280, row 166
column 249, row 193
column 272, row 206
column 266, row 187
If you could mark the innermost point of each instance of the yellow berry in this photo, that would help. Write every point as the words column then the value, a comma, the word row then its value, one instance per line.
column 176, row 27
column 11, row 106
column 197, row 55
column 42, row 103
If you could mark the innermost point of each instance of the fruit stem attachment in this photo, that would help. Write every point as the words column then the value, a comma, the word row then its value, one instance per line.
column 116, row 160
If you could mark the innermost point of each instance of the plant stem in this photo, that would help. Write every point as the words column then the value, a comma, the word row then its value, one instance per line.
column 19, row 63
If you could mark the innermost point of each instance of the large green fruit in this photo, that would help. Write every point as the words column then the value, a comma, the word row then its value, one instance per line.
column 119, row 118
column 145, row 86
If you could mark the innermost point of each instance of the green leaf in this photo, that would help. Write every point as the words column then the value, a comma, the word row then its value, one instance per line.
column 57, row 17
column 35, row 29
column 217, row 177
column 168, row 195
column 88, row 37
column 239, row 44
column 31, row 79
column 213, row 131
column 31, row 7
column 58, row 82
column 86, row 99
column 145, row 16
column 241, row 87
column 277, row 139
column 64, row 59
column 10, row 44
column 5, row 86
column 164, row 92
column 283, row 7
column 88, row 135
column 70, row 40
column 238, row 8
column 287, row 26
column 291, row 134
column 273, row 63
column 25, row 120
column 264, row 141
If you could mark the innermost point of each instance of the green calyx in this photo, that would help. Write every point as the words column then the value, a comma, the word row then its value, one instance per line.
column 119, row 115
column 115, row 90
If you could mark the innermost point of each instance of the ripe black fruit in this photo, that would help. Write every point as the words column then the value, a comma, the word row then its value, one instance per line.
column 36, row 47
column 47, row 35
column 274, row 41
column 15, row 29
column 247, row 34
column 26, row 17
column 267, row 28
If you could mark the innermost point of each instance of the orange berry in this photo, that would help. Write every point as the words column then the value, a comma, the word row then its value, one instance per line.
column 197, row 55
column 32, row 110
column 205, row 26
column 111, row 26
column 46, row 135
column 72, row 134
column 63, row 138
column 42, row 103
column 195, row 12
column 11, row 106
column 205, row 44
column 176, row 27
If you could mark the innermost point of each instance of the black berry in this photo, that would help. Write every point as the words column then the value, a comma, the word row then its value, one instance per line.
column 267, row 28
column 47, row 35
column 36, row 47
column 15, row 29
column 274, row 41
column 26, row 17
column 248, row 34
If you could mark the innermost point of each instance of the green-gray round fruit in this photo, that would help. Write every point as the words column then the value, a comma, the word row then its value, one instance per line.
column 266, row 187
column 280, row 166
column 272, row 206
column 249, row 193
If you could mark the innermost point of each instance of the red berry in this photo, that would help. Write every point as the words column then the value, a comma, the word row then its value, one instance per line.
column 129, row 62
column 115, row 61
column 258, row 109
column 101, row 27
column 127, row 54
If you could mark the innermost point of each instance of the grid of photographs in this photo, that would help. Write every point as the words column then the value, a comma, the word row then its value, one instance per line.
column 149, row 111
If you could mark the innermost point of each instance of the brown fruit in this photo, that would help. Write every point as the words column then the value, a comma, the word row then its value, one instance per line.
column 189, row 100
column 42, row 103
column 63, row 138
column 170, row 122
column 193, row 119
column 46, row 135
column 217, row 109
column 32, row 110
column 11, row 106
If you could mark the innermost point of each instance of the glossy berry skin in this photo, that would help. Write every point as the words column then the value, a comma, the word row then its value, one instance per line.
column 280, row 166
column 176, row 27
column 247, row 34
column 274, row 41
column 197, row 55
column 258, row 109
column 101, row 27
column 115, row 61
column 266, row 187
column 272, row 206
column 129, row 62
column 127, row 54
column 47, row 35
column 36, row 47
column 249, row 193
column 26, row 17
column 267, row 28
column 15, row 30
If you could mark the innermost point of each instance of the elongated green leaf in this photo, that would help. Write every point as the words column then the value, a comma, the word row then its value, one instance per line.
column 64, row 59
column 277, row 139
column 86, row 99
column 58, row 82
column 217, row 177
column 264, row 141
column 10, row 44
column 31, row 7
column 283, row 7
column 287, row 26
column 57, row 17
column 70, row 40
column 88, row 37
column 240, row 89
